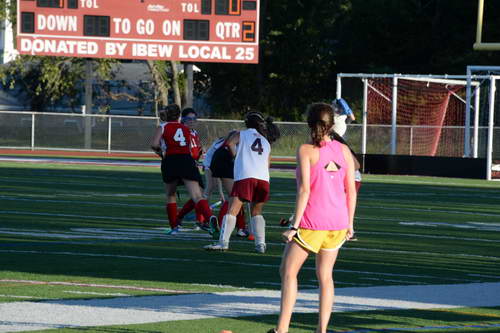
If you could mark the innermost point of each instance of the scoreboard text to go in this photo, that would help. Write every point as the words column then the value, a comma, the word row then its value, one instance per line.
column 200, row 30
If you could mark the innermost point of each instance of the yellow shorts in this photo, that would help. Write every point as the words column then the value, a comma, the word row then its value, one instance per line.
column 316, row 240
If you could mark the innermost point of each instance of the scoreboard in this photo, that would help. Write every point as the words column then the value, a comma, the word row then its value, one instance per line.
column 183, row 30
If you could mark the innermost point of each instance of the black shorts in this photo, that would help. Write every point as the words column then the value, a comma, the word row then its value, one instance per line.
column 222, row 165
column 179, row 166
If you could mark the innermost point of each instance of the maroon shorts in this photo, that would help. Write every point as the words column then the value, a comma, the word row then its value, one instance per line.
column 251, row 190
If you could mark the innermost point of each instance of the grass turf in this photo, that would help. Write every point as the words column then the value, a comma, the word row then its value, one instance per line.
column 102, row 225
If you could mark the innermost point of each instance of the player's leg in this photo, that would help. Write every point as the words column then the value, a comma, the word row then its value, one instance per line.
column 260, row 195
column 171, row 205
column 325, row 260
column 188, row 206
column 241, row 224
column 229, row 220
column 195, row 193
column 294, row 257
column 258, row 226
column 211, row 184
column 227, row 185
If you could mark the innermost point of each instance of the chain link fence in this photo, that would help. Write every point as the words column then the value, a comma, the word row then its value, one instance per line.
column 119, row 134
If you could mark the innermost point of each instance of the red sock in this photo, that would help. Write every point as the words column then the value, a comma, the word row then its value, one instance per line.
column 188, row 206
column 223, row 211
column 203, row 208
column 200, row 218
column 171, row 209
column 358, row 186
column 240, row 219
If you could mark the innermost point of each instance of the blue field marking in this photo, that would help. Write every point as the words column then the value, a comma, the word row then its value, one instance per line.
column 411, row 329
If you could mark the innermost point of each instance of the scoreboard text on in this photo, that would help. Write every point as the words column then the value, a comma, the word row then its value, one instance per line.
column 184, row 30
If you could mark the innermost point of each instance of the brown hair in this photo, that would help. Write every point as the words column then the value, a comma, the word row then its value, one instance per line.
column 320, row 120
column 172, row 112
column 264, row 126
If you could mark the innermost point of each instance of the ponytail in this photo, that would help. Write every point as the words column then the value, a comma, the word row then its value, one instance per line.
column 320, row 121
column 264, row 126
column 273, row 132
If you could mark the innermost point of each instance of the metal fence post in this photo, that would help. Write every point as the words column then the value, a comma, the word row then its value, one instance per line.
column 33, row 131
column 491, row 120
column 109, row 134
column 394, row 115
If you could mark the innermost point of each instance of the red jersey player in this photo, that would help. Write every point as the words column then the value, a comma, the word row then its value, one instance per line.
column 178, row 165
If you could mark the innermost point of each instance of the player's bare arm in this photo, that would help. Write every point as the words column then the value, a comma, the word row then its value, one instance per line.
column 232, row 142
column 304, row 156
column 156, row 142
column 350, row 188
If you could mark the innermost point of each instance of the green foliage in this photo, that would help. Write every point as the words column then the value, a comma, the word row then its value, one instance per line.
column 50, row 80
column 304, row 44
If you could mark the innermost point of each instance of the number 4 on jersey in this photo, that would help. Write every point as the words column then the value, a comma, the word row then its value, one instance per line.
column 257, row 146
column 179, row 137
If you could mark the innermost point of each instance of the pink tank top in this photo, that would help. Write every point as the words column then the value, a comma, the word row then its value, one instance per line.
column 327, row 205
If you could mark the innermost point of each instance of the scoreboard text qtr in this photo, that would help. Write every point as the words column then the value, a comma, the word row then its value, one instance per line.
column 184, row 30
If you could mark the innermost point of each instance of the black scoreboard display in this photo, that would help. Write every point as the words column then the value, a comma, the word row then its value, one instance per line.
column 198, row 30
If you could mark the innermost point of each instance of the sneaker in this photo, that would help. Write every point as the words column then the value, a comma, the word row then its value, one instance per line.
column 203, row 226
column 213, row 223
column 242, row 233
column 172, row 232
column 260, row 248
column 216, row 247
column 272, row 330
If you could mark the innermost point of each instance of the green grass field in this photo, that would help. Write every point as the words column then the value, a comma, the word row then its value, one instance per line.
column 87, row 232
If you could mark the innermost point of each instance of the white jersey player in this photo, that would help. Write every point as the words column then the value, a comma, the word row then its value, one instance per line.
column 252, row 151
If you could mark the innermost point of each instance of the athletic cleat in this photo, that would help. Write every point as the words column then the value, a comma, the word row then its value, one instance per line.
column 203, row 226
column 216, row 247
column 260, row 248
column 172, row 232
column 242, row 233
column 213, row 223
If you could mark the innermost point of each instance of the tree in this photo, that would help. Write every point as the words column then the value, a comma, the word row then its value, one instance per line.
column 46, row 81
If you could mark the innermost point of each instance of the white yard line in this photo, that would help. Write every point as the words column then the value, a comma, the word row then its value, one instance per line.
column 26, row 316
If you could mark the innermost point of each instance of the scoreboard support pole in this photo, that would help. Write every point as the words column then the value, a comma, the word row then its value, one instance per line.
column 88, row 104
column 188, row 69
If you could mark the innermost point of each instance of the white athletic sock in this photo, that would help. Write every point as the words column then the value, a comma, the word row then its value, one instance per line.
column 228, row 224
column 259, row 229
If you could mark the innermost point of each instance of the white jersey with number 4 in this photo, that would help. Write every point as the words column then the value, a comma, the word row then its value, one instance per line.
column 252, row 156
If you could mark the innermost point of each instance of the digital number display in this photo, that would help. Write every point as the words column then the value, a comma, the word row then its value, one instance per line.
column 50, row 3
column 96, row 25
column 191, row 31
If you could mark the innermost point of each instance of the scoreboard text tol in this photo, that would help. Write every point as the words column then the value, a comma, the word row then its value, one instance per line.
column 184, row 30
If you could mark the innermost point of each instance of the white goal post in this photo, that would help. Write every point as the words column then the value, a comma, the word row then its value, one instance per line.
column 445, row 80
column 488, row 76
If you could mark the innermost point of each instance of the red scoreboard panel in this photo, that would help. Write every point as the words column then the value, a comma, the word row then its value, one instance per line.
column 196, row 30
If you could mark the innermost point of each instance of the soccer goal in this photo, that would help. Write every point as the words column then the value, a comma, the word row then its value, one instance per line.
column 421, row 115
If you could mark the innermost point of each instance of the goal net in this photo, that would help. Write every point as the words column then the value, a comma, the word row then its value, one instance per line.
column 430, row 113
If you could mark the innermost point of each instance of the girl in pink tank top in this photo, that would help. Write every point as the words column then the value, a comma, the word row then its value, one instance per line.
column 324, row 214
column 327, row 205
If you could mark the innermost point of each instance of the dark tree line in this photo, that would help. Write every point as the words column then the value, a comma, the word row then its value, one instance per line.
column 304, row 44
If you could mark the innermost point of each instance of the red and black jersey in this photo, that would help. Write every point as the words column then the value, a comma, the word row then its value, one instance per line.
column 177, row 138
column 196, row 149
